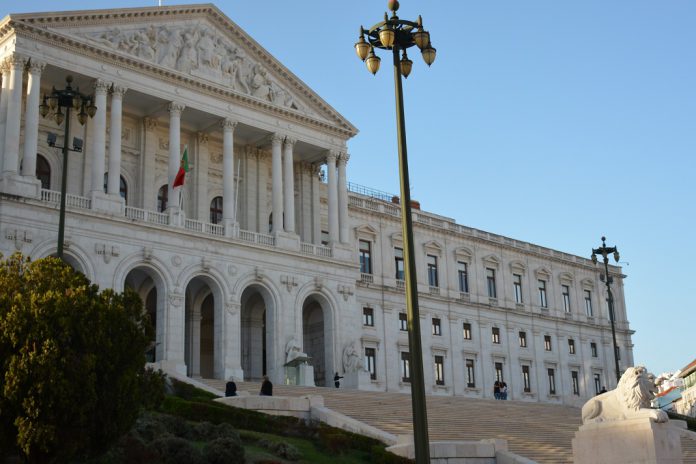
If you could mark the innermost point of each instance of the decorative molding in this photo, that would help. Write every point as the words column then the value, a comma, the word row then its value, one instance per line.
column 346, row 291
column 19, row 237
column 289, row 282
column 106, row 251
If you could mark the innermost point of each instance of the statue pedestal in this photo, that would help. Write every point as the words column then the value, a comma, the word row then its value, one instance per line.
column 299, row 372
column 305, row 375
column 631, row 441
column 355, row 379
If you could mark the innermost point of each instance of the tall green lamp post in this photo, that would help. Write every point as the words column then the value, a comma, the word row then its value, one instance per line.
column 54, row 104
column 398, row 35
column 604, row 250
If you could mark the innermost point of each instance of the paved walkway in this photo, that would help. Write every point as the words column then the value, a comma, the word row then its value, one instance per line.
column 541, row 432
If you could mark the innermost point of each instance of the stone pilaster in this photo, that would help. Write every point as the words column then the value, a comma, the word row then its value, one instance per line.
column 289, row 185
column 229, row 199
column 200, row 173
column 277, row 174
column 343, row 198
column 31, row 120
column 114, row 177
column 333, row 197
column 14, row 114
column 175, row 110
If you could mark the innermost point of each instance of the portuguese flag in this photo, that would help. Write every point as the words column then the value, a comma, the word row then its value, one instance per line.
column 183, row 169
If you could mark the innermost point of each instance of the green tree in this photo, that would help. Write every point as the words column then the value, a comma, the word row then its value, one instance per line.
column 71, row 361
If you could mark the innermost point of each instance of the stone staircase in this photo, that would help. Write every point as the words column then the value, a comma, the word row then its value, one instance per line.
column 541, row 432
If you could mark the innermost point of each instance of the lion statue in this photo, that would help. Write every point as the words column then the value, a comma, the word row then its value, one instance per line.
column 630, row 399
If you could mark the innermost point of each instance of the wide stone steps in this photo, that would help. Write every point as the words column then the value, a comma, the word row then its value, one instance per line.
column 541, row 432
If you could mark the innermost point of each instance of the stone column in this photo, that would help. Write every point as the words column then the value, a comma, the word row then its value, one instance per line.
column 333, row 197
column 277, row 173
column 232, row 350
column 147, row 163
column 289, row 184
column 113, row 185
column 31, row 120
column 174, row 337
column 229, row 200
column 14, row 115
column 175, row 110
column 99, row 137
column 343, row 198
column 316, row 204
column 4, row 97
column 195, row 342
column 201, row 175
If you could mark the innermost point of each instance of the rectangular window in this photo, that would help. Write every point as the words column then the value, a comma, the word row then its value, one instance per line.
column 526, row 380
column 370, row 359
column 463, row 274
column 439, row 370
column 618, row 353
column 324, row 237
column 571, row 346
column 490, row 282
column 517, row 283
column 523, row 339
column 597, row 384
column 403, row 322
column 552, row 382
column 499, row 372
column 470, row 376
column 593, row 349
column 547, row 342
column 542, row 294
column 466, row 331
column 399, row 263
column 432, row 271
column 495, row 335
column 405, row 366
column 365, row 257
column 588, row 303
column 369, row 317
column 575, row 382
column 566, row 297
column 437, row 327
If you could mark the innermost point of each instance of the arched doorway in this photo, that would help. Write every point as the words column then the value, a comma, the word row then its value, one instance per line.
column 203, row 329
column 148, row 284
column 317, row 337
column 257, row 333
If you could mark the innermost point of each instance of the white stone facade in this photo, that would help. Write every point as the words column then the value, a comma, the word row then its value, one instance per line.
column 228, row 285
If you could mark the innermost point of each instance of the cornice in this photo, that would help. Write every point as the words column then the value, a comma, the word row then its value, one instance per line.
column 35, row 26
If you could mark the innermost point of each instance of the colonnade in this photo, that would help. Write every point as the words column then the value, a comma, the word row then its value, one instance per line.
column 12, row 69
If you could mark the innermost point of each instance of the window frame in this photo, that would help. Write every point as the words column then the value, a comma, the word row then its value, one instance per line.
column 215, row 210
column 543, row 295
column 463, row 276
column 589, row 311
column 371, row 362
column 433, row 277
column 551, row 373
column 495, row 335
column 399, row 270
column 565, row 291
column 490, row 283
column 522, row 337
column 470, row 365
column 406, row 367
column 571, row 346
column 365, row 255
column 466, row 331
column 575, row 382
column 403, row 322
column 517, row 287
column 368, row 316
column 437, row 326
column 547, row 343
column 526, row 379
column 439, row 361
column 593, row 350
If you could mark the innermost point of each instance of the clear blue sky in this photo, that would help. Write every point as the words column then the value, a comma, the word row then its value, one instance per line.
column 551, row 122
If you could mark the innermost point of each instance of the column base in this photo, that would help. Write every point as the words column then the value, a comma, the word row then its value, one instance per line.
column 22, row 186
column 287, row 240
column 178, row 367
column 231, row 228
column 177, row 217
column 110, row 204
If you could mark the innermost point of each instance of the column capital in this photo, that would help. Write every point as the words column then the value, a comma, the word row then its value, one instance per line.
column 150, row 123
column 101, row 86
column 118, row 90
column 228, row 124
column 343, row 158
column 276, row 138
column 290, row 142
column 176, row 108
column 331, row 156
column 202, row 138
column 15, row 60
column 36, row 66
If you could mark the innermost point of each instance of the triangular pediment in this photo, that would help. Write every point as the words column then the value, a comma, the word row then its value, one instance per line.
column 198, row 42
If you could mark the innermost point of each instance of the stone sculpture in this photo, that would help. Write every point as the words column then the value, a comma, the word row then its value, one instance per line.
column 293, row 351
column 630, row 399
column 351, row 359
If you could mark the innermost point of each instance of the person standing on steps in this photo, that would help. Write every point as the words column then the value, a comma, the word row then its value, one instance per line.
column 337, row 380
column 496, row 390
column 266, row 387
column 230, row 388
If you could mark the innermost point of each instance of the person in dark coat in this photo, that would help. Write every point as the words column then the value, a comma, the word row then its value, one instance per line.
column 496, row 390
column 337, row 380
column 230, row 388
column 266, row 387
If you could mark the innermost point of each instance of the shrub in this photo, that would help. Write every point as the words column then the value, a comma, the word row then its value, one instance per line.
column 224, row 450
column 176, row 450
column 71, row 361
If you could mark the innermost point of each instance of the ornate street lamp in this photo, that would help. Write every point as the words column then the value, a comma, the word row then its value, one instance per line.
column 397, row 35
column 604, row 250
column 54, row 105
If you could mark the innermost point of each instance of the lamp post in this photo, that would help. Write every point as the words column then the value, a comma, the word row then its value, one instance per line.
column 54, row 103
column 397, row 35
column 604, row 250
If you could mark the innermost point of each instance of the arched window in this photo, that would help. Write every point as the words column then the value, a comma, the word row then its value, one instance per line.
column 162, row 198
column 43, row 172
column 122, row 188
column 216, row 210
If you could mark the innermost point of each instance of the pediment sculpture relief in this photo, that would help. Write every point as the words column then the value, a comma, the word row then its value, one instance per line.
column 200, row 51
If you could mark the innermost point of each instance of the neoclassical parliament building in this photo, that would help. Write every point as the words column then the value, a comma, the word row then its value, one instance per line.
column 267, row 245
